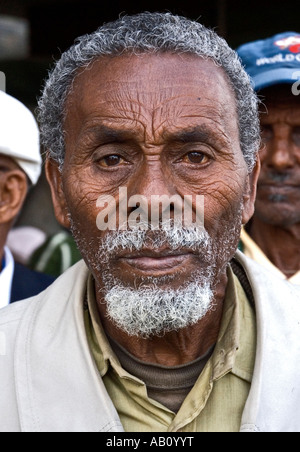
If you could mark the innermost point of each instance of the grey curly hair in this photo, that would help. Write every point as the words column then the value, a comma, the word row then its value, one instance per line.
column 146, row 33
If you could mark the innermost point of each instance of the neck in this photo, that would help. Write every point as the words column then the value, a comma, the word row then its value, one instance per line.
column 279, row 244
column 175, row 348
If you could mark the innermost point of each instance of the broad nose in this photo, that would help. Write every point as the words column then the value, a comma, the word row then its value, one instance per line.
column 155, row 188
column 279, row 150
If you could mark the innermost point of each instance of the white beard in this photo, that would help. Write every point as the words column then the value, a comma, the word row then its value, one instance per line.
column 152, row 311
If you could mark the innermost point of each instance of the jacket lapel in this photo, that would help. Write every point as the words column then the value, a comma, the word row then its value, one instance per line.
column 58, row 384
column 273, row 404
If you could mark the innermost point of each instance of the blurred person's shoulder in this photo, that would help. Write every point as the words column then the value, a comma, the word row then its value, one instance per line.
column 61, row 289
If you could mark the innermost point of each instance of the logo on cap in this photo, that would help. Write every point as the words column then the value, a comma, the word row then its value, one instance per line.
column 292, row 43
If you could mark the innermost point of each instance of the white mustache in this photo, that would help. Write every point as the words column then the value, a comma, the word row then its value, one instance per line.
column 168, row 235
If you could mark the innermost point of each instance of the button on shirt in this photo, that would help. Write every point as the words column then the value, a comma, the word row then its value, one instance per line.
column 217, row 399
column 6, row 278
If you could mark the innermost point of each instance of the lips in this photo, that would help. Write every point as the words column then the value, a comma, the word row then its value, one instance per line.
column 155, row 260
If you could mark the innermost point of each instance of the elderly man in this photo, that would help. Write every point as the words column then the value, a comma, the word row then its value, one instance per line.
column 20, row 167
column 160, row 328
column 272, row 237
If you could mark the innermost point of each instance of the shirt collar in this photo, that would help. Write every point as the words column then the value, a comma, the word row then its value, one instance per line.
column 235, row 352
column 6, row 278
column 97, row 338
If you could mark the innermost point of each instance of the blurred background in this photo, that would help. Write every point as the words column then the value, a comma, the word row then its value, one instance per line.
column 33, row 33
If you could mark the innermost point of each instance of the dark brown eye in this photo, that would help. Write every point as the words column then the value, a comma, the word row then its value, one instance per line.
column 196, row 158
column 266, row 133
column 111, row 160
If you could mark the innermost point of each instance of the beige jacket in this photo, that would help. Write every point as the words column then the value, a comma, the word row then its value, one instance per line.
column 49, row 382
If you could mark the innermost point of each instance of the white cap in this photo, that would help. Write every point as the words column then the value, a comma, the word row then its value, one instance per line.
column 19, row 136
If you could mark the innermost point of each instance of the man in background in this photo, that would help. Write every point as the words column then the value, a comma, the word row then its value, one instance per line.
column 272, row 237
column 20, row 168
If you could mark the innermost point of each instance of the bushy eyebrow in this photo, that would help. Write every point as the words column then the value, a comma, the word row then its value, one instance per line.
column 191, row 135
column 101, row 133
column 198, row 133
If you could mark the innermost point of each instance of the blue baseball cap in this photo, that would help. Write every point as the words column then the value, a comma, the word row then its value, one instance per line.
column 272, row 61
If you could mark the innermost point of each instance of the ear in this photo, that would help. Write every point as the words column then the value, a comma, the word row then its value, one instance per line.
column 54, row 177
column 13, row 191
column 250, row 195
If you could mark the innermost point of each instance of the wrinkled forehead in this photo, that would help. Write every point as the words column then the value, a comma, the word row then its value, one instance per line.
column 145, row 71
column 168, row 85
column 280, row 105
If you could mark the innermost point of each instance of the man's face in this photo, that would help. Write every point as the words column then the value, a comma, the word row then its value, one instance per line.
column 278, row 194
column 157, row 125
column 13, row 190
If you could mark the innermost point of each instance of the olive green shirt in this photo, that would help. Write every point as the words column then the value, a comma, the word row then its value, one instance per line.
column 217, row 400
